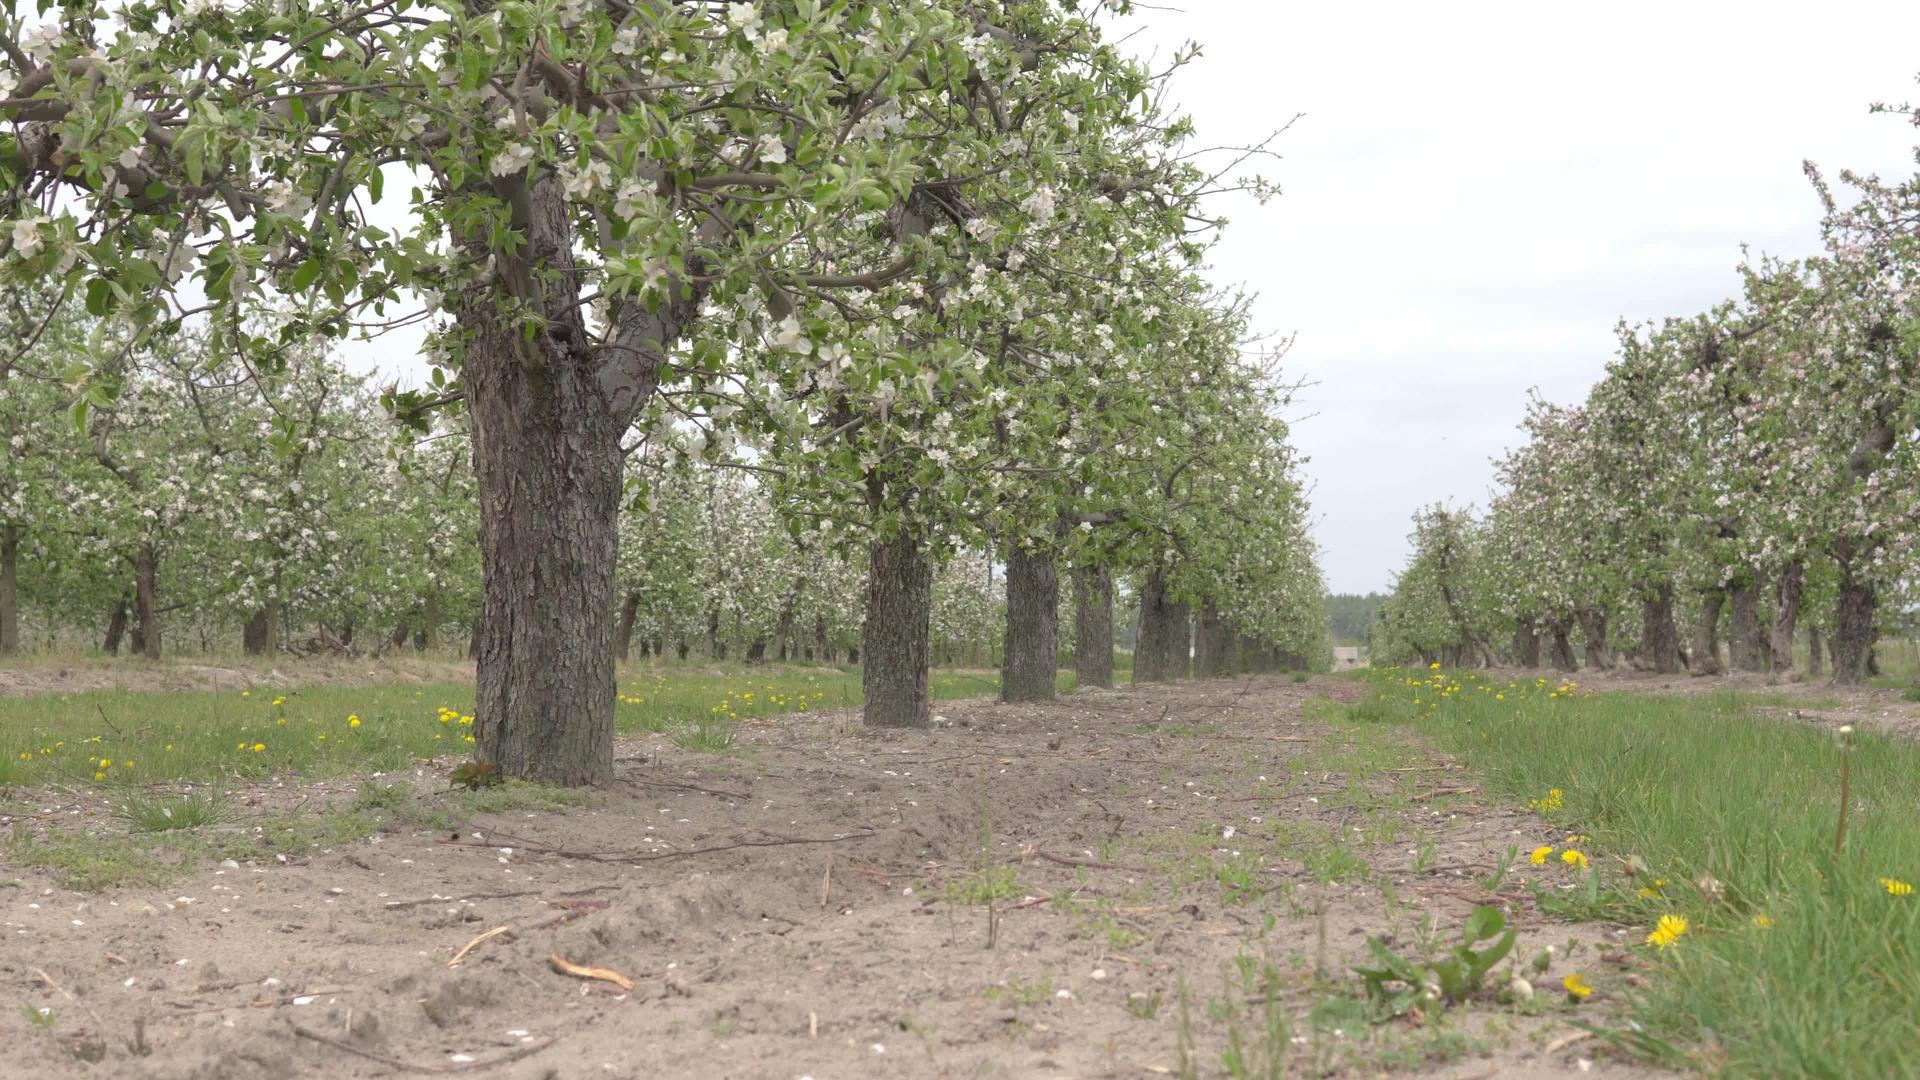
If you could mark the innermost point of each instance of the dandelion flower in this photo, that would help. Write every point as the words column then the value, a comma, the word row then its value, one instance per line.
column 1577, row 987
column 353, row 721
column 1669, row 930
column 259, row 748
column 1652, row 892
column 1540, row 855
column 1435, row 666
column 1574, row 859
column 1763, row 922
column 1896, row 887
column 99, row 776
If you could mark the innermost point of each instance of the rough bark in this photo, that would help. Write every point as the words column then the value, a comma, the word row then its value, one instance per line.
column 1706, row 632
column 430, row 620
column 1165, row 642
column 1093, row 627
column 473, row 640
column 1212, row 644
column 9, row 589
column 1561, row 650
column 788, row 647
column 546, row 455
column 253, row 636
column 117, row 623
column 1747, row 647
column 1526, row 643
column 623, row 637
column 1179, row 659
column 1593, row 627
column 146, row 599
column 1151, row 649
column 1658, row 636
column 1853, row 628
column 1031, row 654
column 899, row 623
column 1787, row 590
column 1816, row 651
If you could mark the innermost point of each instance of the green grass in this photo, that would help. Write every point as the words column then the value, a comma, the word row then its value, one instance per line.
column 137, row 738
column 1737, row 812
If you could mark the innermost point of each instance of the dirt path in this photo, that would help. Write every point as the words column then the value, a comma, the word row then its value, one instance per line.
column 815, row 907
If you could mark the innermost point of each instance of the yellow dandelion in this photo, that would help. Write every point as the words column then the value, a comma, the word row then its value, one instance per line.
column 1652, row 892
column 1577, row 987
column 259, row 748
column 1540, row 855
column 99, row 776
column 1896, row 887
column 352, row 720
column 1669, row 930
column 246, row 693
column 1574, row 859
column 1763, row 922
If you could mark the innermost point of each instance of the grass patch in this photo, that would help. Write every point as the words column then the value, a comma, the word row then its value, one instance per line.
column 1797, row 960
column 138, row 738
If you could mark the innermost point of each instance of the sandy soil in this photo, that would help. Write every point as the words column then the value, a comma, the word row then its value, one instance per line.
column 789, row 912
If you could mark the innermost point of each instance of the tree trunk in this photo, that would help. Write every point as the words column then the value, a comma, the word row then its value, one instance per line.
column 788, row 647
column 1706, row 632
column 1747, row 646
column 253, row 636
column 1561, row 650
column 1153, row 650
column 546, row 455
column 146, row 606
column 757, row 651
column 473, row 640
column 899, row 618
column 1658, row 636
column 1031, row 656
column 9, row 589
column 1593, row 626
column 1787, row 591
column 1526, row 643
column 623, row 638
column 820, row 641
column 1816, row 651
column 1853, row 627
column 430, row 622
column 117, row 624
column 1212, row 644
column 1093, row 627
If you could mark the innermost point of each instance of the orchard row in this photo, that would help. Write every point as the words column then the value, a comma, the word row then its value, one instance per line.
column 1753, row 470
column 930, row 273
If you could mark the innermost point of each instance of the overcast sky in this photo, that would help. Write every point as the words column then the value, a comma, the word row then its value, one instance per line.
column 1477, row 192
column 1471, row 201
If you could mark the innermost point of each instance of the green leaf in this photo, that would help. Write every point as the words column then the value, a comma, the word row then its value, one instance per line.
column 306, row 275
column 99, row 296
column 1484, row 923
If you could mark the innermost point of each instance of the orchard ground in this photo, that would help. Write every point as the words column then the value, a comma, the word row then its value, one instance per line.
column 1173, row 880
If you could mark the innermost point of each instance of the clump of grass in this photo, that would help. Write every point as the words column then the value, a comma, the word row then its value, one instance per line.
column 372, row 796
column 711, row 734
column 984, row 886
column 166, row 813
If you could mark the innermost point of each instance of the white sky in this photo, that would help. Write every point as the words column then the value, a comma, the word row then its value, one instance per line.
column 1479, row 191
column 1472, row 200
